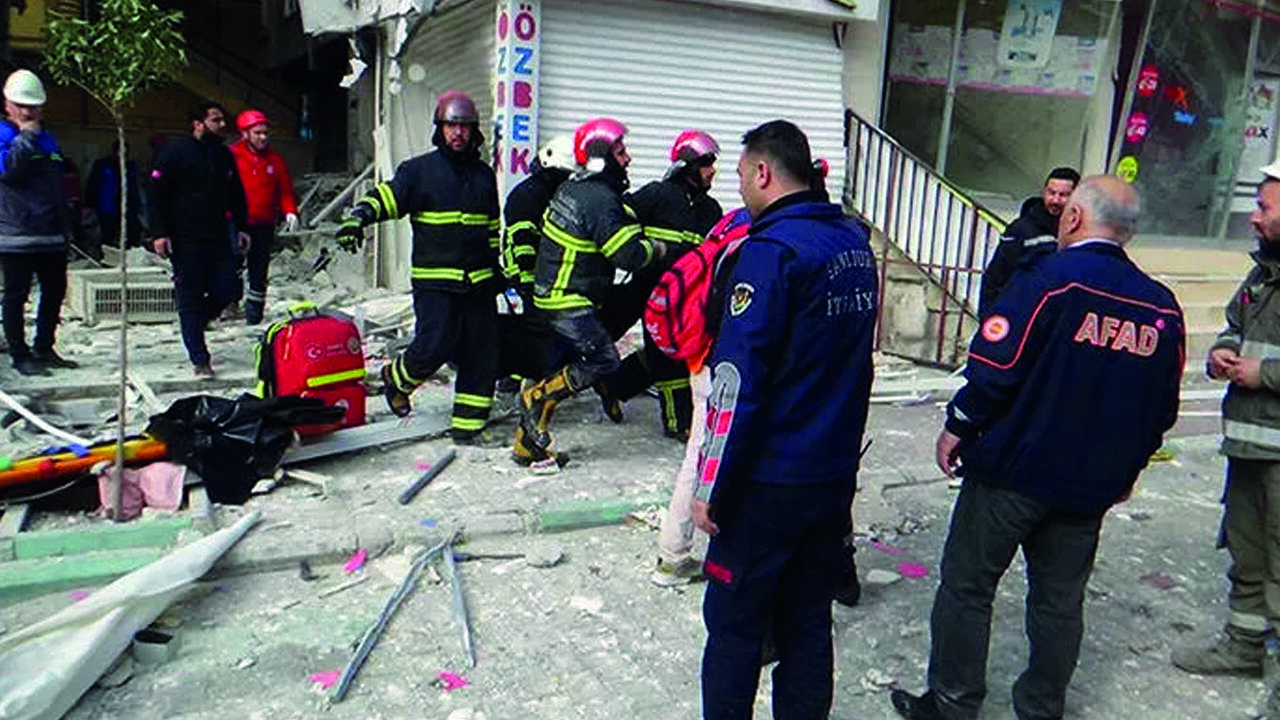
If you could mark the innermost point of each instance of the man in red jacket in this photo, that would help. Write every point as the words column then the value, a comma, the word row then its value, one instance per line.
column 269, row 193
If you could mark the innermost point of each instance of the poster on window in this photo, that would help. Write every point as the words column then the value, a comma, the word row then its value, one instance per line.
column 1259, row 127
column 1026, row 40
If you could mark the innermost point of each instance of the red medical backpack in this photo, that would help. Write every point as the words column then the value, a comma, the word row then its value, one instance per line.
column 314, row 354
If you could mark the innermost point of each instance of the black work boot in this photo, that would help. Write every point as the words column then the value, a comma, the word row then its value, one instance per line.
column 27, row 365
column 51, row 359
column 397, row 399
column 911, row 707
column 538, row 405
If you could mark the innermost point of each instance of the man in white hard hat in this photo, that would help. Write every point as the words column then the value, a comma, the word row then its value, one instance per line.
column 1247, row 356
column 34, row 225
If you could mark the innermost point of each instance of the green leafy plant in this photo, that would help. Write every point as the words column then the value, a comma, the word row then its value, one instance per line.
column 130, row 47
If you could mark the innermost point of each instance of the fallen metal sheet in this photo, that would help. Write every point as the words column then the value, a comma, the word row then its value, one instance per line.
column 74, row 647
column 366, row 436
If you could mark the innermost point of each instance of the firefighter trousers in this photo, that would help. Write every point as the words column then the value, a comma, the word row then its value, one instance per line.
column 461, row 328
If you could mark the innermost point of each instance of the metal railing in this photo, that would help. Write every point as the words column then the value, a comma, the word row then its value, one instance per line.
column 934, row 226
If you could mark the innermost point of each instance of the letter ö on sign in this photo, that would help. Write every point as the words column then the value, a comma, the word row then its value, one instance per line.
column 1118, row 335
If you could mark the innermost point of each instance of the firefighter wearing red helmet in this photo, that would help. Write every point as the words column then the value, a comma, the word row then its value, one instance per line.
column 451, row 199
column 587, row 234
column 268, row 191
column 678, row 211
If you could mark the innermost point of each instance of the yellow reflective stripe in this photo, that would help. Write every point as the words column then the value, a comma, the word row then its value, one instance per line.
column 561, row 302
column 438, row 274
column 567, row 241
column 628, row 210
column 564, row 273
column 527, row 276
column 455, row 217
column 518, row 250
column 332, row 378
column 516, row 227
column 671, row 384
column 620, row 238
column 473, row 424
column 494, row 241
column 388, row 200
column 375, row 207
column 676, row 236
column 495, row 224
column 475, row 401
column 454, row 274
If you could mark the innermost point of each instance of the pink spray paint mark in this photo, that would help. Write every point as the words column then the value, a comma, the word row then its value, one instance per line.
column 325, row 679
column 452, row 681
column 356, row 561
column 912, row 570
column 78, row 595
column 422, row 466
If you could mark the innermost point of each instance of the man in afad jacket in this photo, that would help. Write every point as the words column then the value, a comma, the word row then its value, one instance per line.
column 1071, row 383
column 268, row 193
column 195, row 189
column 586, row 235
column 34, row 225
column 1029, row 238
column 1247, row 355
column 784, row 424
column 451, row 199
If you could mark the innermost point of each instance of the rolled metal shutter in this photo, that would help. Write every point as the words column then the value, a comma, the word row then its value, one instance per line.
column 662, row 67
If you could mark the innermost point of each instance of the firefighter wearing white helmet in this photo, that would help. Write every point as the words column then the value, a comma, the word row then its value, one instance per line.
column 678, row 211
column 451, row 199
column 526, row 335
column 587, row 235
column 34, row 225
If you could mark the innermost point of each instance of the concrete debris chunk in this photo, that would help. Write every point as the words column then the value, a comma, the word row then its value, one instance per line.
column 544, row 554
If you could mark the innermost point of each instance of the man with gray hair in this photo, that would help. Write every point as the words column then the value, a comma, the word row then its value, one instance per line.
column 1071, row 383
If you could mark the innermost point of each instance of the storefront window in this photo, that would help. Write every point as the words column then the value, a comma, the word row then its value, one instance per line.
column 1183, row 133
column 1025, row 78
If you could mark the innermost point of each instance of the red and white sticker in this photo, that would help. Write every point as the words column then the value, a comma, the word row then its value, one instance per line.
column 995, row 329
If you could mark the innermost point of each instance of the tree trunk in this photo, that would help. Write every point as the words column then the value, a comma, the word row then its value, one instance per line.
column 122, row 403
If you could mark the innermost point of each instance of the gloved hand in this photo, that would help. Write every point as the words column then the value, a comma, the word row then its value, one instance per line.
column 351, row 234
column 291, row 222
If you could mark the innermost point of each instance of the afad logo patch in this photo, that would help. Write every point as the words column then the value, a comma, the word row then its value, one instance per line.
column 740, row 300
column 995, row 329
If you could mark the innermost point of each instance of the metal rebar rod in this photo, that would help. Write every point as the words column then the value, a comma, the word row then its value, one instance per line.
column 371, row 636
column 460, row 616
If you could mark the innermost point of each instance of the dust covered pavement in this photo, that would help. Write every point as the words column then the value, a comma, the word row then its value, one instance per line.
column 591, row 637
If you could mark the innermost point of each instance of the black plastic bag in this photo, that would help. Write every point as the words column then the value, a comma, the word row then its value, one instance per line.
column 233, row 444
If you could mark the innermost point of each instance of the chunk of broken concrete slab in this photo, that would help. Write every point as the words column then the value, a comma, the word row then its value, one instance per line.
column 544, row 554
column 881, row 577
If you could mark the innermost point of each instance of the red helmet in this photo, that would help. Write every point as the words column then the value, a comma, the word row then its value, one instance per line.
column 691, row 145
column 595, row 137
column 455, row 106
column 821, row 165
column 250, row 118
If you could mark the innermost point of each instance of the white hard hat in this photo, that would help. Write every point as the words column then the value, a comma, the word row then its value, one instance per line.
column 24, row 88
column 557, row 152
column 1272, row 171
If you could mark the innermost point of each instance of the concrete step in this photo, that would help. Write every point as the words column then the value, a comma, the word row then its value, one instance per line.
column 1192, row 291
column 1204, row 315
column 1157, row 260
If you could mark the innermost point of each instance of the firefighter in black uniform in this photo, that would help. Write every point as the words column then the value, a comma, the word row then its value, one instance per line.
column 451, row 199
column 526, row 335
column 586, row 234
column 678, row 211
